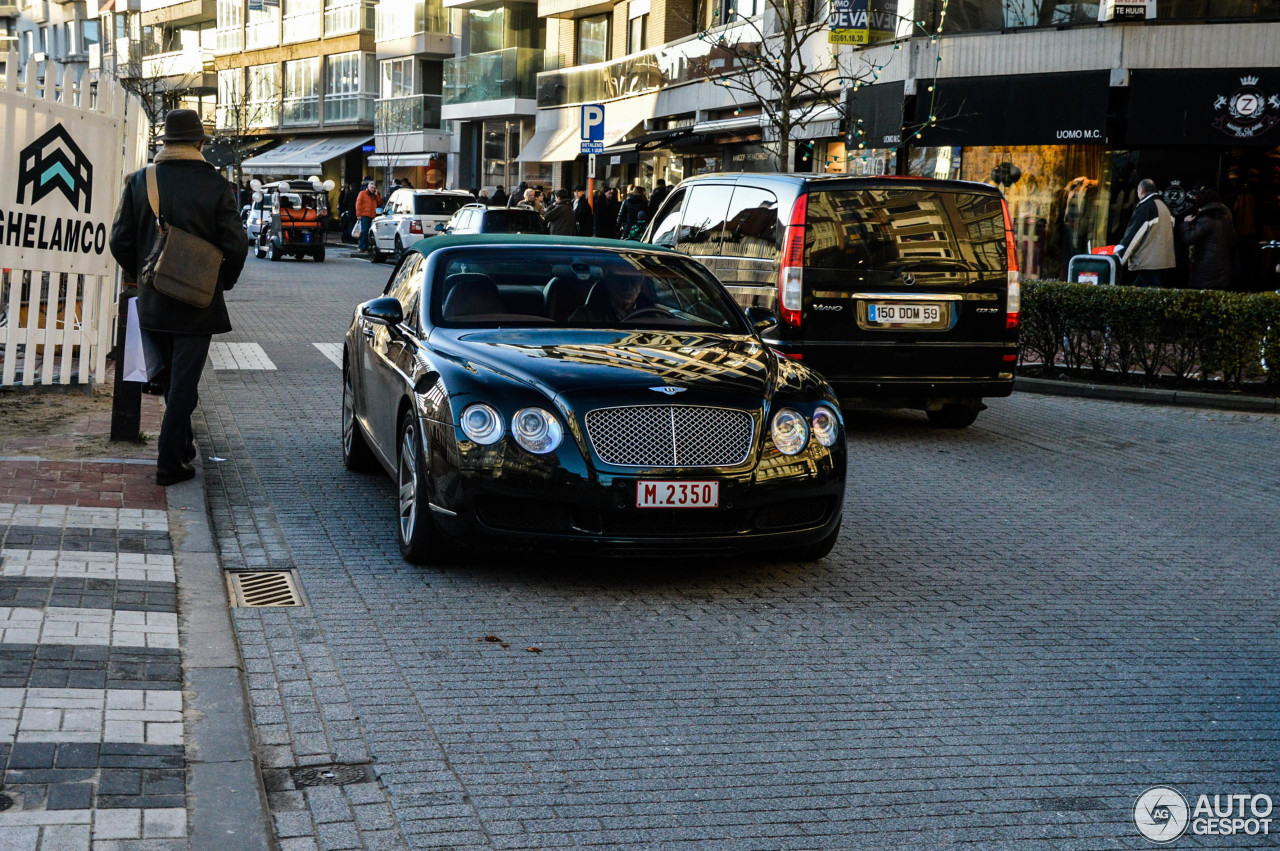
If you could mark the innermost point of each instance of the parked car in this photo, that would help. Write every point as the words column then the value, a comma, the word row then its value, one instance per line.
column 481, row 218
column 409, row 215
column 903, row 292
column 252, row 216
column 554, row 392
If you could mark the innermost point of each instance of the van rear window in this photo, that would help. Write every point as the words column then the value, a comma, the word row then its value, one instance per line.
column 887, row 228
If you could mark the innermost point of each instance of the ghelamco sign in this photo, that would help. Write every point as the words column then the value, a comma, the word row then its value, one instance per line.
column 56, row 216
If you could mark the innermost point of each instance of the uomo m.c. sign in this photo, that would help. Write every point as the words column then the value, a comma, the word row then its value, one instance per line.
column 1079, row 134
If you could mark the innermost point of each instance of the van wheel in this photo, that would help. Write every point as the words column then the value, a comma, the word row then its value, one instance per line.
column 952, row 415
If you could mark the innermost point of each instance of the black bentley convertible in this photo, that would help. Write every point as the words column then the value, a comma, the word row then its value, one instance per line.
column 587, row 394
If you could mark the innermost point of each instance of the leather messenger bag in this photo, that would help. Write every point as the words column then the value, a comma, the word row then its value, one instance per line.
column 181, row 265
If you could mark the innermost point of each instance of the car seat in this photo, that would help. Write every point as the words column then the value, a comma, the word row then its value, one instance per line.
column 470, row 294
column 564, row 293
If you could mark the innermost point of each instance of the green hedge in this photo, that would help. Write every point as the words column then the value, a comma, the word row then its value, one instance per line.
column 1106, row 330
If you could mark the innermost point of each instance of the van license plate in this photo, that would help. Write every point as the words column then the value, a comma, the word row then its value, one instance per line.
column 905, row 314
column 654, row 494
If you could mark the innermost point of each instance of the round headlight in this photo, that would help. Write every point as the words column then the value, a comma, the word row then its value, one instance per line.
column 826, row 426
column 482, row 424
column 790, row 431
column 536, row 430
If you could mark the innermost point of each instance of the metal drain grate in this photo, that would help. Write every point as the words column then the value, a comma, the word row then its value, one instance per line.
column 328, row 775
column 263, row 588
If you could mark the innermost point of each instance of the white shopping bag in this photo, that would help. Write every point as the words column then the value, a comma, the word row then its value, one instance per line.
column 141, row 357
column 355, row 230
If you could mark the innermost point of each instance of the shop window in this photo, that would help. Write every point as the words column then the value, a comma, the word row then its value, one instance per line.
column 703, row 223
column 593, row 40
column 1198, row 9
column 751, row 226
column 665, row 232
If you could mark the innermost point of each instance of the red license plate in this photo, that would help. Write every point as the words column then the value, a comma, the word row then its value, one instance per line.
column 653, row 494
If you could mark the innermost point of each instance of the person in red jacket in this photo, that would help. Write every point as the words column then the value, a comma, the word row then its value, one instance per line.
column 367, row 204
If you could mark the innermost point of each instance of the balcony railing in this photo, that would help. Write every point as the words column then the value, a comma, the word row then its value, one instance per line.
column 229, row 41
column 178, row 63
column 412, row 114
column 262, row 34
column 496, row 75
column 238, row 118
column 303, row 26
column 349, row 16
column 345, row 109
column 648, row 71
column 406, row 18
column 301, row 110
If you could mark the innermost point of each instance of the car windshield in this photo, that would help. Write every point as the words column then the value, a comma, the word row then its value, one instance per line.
column 512, row 221
column 530, row 286
column 438, row 205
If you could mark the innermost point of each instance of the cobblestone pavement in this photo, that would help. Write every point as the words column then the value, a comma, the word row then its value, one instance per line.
column 1024, row 626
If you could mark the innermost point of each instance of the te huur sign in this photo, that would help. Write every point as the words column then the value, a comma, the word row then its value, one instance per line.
column 861, row 21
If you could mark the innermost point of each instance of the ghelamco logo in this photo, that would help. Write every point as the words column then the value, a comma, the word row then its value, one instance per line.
column 55, row 162
column 1162, row 814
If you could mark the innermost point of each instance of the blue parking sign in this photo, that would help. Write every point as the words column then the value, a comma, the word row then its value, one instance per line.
column 592, row 122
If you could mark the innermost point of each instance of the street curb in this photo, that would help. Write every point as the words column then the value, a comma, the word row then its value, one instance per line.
column 226, row 803
column 1148, row 396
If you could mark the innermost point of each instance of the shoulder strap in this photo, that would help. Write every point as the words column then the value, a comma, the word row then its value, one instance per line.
column 153, row 192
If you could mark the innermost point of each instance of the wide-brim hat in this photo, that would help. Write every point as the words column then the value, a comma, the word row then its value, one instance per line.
column 184, row 125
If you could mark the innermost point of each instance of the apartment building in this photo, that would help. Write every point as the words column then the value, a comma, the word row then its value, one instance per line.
column 59, row 34
column 302, row 75
column 412, row 140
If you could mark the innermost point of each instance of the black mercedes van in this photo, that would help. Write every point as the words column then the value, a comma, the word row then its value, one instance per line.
column 902, row 291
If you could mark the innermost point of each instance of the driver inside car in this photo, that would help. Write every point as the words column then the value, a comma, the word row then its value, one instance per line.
column 611, row 300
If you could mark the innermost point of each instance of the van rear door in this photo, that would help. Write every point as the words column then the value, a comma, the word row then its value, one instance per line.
column 905, row 283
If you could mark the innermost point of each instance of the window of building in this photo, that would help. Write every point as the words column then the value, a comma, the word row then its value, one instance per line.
column 302, row 20
column 230, row 115
column 486, row 29
column 736, row 10
column 263, row 29
column 397, row 78
column 638, row 34
column 593, row 40
column 264, row 96
column 230, row 26
column 348, row 92
column 302, row 91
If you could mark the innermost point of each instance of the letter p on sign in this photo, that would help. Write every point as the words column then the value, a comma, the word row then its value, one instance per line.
column 592, row 122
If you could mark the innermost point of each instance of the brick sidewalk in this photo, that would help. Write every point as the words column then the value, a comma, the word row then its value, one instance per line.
column 91, row 700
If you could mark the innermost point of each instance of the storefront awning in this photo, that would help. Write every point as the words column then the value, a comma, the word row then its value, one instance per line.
column 303, row 156
column 728, row 125
column 552, row 145
column 404, row 160
column 1233, row 107
column 1027, row 109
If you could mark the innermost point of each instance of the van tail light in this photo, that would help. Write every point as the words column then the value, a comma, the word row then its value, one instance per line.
column 1013, row 300
column 791, row 277
column 415, row 226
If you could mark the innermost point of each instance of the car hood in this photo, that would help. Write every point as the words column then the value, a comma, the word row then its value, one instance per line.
column 560, row 361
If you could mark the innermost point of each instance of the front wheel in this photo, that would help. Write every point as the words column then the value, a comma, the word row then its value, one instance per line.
column 952, row 415
column 356, row 454
column 319, row 255
column 418, row 536
column 273, row 253
column 399, row 248
column 258, row 250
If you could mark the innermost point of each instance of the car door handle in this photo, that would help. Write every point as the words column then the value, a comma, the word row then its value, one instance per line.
column 368, row 332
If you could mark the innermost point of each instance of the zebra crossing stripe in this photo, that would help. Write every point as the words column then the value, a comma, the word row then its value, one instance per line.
column 239, row 356
column 333, row 351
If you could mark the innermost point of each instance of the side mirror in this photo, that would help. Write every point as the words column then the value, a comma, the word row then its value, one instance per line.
column 761, row 319
column 439, row 227
column 378, row 211
column 383, row 311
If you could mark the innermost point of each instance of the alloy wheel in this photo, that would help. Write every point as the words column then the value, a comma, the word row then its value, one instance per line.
column 348, row 415
column 408, row 483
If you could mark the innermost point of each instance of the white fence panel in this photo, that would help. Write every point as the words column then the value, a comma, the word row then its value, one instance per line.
column 67, row 148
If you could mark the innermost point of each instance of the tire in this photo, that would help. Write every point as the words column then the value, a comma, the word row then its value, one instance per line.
column 375, row 256
column 258, row 250
column 319, row 255
column 399, row 249
column 952, row 415
column 356, row 454
column 273, row 253
column 418, row 536
column 815, row 551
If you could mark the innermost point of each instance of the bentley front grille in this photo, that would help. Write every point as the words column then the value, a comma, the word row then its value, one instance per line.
column 671, row 436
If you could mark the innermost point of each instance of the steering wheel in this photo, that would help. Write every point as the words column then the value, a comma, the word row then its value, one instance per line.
column 653, row 308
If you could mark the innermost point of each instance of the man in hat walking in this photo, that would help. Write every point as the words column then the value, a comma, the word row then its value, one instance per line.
column 199, row 200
